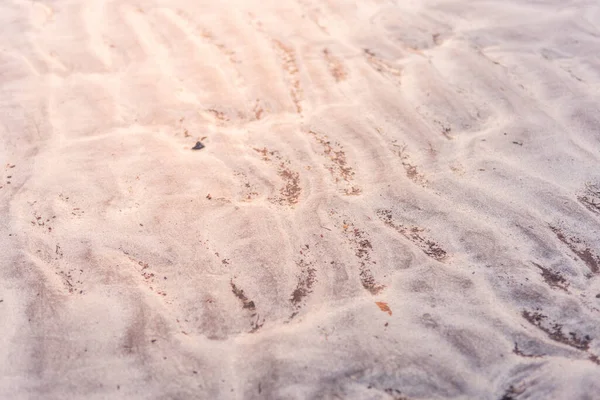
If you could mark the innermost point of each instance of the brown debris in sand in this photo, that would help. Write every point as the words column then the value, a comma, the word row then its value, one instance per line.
column 239, row 293
column 362, row 250
column 518, row 352
column 335, row 66
column 256, row 323
column 590, row 198
column 411, row 170
column 338, row 167
column 578, row 247
column 384, row 307
column 555, row 331
column 149, row 277
column 415, row 235
column 291, row 190
column 306, row 280
column 553, row 279
column 383, row 67
column 287, row 55
column 511, row 393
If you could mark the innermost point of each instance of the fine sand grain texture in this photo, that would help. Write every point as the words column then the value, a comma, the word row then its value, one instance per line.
column 396, row 199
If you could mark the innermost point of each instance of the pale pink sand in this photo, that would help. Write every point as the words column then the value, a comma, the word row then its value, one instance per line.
column 397, row 199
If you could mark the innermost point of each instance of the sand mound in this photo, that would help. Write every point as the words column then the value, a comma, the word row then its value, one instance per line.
column 396, row 200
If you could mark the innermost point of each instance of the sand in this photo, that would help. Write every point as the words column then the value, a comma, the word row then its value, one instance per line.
column 396, row 199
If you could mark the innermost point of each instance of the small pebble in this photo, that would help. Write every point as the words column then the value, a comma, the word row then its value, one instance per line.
column 198, row 146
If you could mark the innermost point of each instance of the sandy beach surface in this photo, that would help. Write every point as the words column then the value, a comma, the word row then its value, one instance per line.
column 395, row 199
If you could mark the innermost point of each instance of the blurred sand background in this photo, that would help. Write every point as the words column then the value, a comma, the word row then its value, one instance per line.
column 397, row 199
